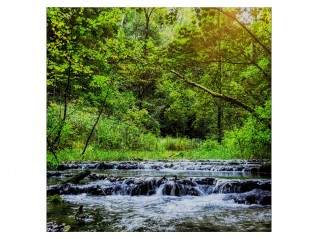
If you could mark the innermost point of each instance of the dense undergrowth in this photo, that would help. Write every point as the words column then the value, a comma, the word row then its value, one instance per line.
column 115, row 140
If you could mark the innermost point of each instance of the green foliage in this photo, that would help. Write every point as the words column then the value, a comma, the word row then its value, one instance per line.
column 210, row 144
column 67, row 228
column 52, row 162
column 56, row 199
column 179, row 144
column 109, row 81
column 253, row 140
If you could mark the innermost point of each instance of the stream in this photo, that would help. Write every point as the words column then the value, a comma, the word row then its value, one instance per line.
column 159, row 196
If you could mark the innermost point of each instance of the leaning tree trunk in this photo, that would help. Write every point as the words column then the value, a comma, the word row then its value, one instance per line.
column 94, row 126
column 66, row 93
column 75, row 179
column 268, row 51
column 51, row 148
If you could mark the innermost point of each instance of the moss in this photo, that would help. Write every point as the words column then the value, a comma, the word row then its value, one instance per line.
column 56, row 199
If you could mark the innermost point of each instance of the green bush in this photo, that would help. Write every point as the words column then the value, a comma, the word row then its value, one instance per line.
column 178, row 144
column 51, row 161
column 253, row 140
column 209, row 144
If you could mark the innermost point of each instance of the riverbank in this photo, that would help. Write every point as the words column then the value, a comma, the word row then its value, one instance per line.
column 67, row 155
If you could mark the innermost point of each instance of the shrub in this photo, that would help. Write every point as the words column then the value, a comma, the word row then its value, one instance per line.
column 253, row 139
column 178, row 144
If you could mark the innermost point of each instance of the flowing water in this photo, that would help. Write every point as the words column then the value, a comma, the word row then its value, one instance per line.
column 155, row 196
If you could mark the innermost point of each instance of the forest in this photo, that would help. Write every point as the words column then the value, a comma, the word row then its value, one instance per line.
column 158, row 83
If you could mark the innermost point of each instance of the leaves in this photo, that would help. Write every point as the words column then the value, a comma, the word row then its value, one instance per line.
column 123, row 57
column 67, row 228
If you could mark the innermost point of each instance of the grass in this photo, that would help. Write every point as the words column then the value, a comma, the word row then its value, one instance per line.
column 135, row 155
column 162, row 149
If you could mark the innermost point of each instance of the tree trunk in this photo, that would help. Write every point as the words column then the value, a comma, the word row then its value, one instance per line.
column 219, row 84
column 96, row 122
column 219, row 124
column 75, row 179
column 147, row 16
column 51, row 148
column 66, row 93
column 268, row 51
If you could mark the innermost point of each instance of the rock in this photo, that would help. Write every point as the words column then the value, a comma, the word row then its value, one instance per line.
column 135, row 191
column 129, row 181
column 228, row 187
column 238, row 168
column 111, row 178
column 187, row 182
column 151, row 192
column 256, row 196
column 52, row 190
column 95, row 176
column 143, row 188
column 193, row 192
column 208, row 181
column 175, row 189
column 266, row 186
column 105, row 166
column 255, row 184
column 62, row 167
column 95, row 190
column 166, row 189
column 251, row 199
column 107, row 191
column 53, row 174
column 127, row 166
column 265, row 168
column 266, row 200
column 53, row 227
column 155, row 167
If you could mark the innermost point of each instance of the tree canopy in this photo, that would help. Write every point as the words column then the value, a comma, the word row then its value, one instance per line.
column 122, row 78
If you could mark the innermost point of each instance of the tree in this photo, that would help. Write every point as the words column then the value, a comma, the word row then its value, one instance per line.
column 216, row 51
column 76, row 52
column 116, row 76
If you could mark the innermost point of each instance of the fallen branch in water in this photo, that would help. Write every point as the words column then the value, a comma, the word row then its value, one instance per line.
column 75, row 179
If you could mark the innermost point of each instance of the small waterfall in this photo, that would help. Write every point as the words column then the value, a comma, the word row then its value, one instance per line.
column 179, row 188
column 252, row 166
column 200, row 192
column 237, row 190
column 227, row 186
column 159, row 191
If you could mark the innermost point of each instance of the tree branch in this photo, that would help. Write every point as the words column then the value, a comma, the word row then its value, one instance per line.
column 229, row 99
column 214, row 94
column 246, row 29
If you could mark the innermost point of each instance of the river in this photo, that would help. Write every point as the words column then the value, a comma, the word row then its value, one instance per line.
column 155, row 196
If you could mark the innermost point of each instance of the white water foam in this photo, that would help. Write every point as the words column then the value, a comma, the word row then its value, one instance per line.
column 163, row 213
